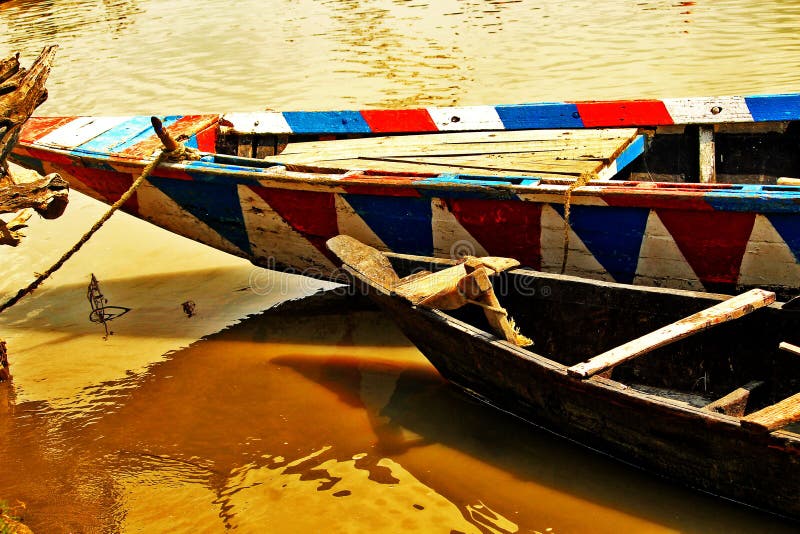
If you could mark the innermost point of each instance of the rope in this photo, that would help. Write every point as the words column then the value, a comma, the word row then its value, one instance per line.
column 487, row 307
column 161, row 155
column 582, row 180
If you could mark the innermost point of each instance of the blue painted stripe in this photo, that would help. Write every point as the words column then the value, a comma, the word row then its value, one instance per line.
column 403, row 223
column 540, row 115
column 142, row 135
column 633, row 151
column 326, row 122
column 613, row 235
column 216, row 205
column 119, row 134
column 755, row 198
column 788, row 226
column 774, row 107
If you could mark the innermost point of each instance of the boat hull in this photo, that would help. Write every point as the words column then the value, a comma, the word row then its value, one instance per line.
column 714, row 237
column 706, row 451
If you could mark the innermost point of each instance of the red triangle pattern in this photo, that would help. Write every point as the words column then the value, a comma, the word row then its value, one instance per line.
column 111, row 185
column 311, row 213
column 498, row 224
column 713, row 242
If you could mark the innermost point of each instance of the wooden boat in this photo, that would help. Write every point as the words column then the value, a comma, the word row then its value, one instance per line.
column 704, row 387
column 599, row 189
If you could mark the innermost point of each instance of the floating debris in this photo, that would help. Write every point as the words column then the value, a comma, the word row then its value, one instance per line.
column 101, row 312
column 188, row 308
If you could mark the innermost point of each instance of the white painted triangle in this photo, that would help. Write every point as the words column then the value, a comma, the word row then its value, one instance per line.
column 768, row 260
column 161, row 210
column 273, row 240
column 661, row 262
column 450, row 238
column 580, row 262
column 350, row 223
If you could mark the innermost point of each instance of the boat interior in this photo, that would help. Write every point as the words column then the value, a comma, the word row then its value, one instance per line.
column 755, row 153
column 737, row 368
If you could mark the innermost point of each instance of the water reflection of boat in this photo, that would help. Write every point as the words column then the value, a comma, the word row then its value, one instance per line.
column 501, row 180
column 713, row 408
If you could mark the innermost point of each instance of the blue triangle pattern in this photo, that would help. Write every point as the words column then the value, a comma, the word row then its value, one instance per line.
column 612, row 234
column 788, row 226
column 403, row 223
column 216, row 205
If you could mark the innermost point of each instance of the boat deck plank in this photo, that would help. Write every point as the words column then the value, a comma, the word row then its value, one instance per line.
column 541, row 153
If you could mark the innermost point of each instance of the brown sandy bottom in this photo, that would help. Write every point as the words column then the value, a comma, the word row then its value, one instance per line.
column 316, row 416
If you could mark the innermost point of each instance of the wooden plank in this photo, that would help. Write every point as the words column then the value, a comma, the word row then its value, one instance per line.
column 590, row 149
column 775, row 416
column 788, row 181
column 735, row 402
column 399, row 141
column 413, row 167
column 728, row 310
column 707, row 155
column 788, row 347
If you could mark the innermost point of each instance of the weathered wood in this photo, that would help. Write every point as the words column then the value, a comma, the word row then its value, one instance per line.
column 22, row 189
column 707, row 155
column 21, row 91
column 660, row 427
column 5, row 372
column 728, row 310
column 560, row 152
column 788, row 347
column 364, row 259
column 775, row 416
column 735, row 402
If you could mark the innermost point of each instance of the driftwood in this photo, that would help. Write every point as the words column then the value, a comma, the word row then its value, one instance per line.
column 21, row 92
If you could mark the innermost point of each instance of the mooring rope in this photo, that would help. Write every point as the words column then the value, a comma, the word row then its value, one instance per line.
column 160, row 156
column 582, row 180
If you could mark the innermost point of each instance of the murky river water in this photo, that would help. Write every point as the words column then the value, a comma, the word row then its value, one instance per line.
column 321, row 419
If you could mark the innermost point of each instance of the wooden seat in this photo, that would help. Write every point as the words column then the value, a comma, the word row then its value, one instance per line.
column 735, row 402
column 728, row 310
column 774, row 417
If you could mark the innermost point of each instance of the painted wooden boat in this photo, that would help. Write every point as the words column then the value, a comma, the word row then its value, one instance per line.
column 273, row 186
column 716, row 410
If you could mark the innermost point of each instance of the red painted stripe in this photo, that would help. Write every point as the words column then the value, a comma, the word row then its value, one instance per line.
column 399, row 120
column 49, row 156
column 311, row 213
column 623, row 113
column 713, row 242
column 655, row 198
column 110, row 185
column 37, row 127
column 207, row 139
column 496, row 225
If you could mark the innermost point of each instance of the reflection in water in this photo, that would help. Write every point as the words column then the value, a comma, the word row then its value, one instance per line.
column 278, row 423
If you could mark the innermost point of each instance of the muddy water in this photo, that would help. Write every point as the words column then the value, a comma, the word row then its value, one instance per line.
column 317, row 417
